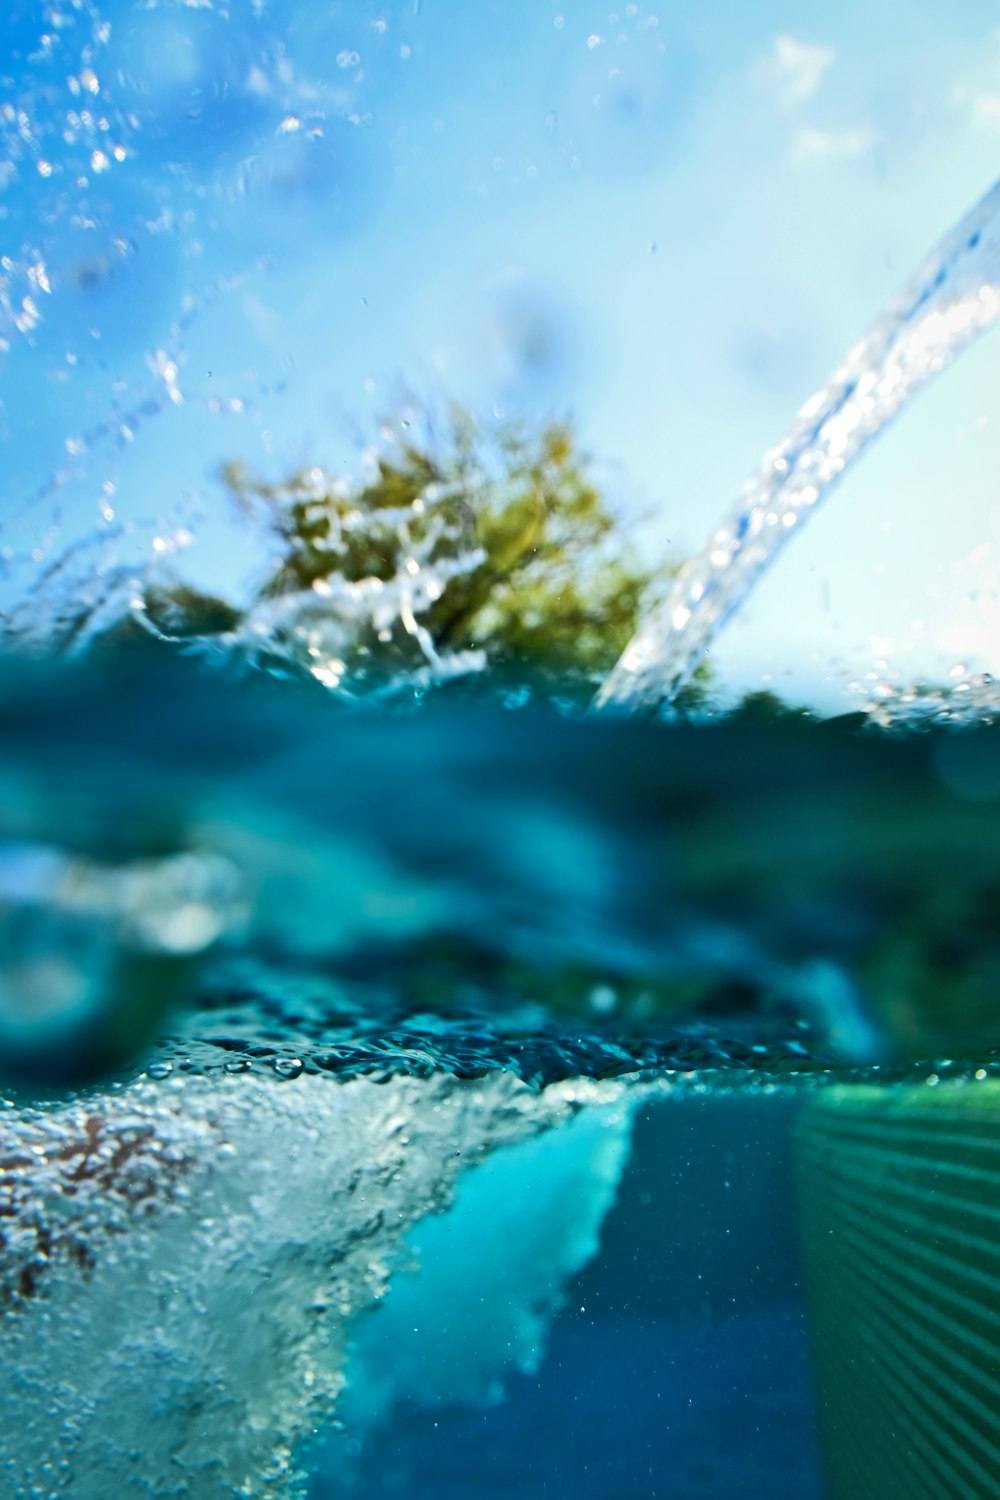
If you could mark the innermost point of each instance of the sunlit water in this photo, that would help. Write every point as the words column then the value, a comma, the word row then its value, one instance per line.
column 952, row 300
column 469, row 1095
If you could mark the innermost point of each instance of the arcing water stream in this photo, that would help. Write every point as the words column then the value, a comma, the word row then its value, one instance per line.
column 953, row 299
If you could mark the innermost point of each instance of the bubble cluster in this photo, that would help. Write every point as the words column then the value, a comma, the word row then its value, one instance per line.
column 196, row 1251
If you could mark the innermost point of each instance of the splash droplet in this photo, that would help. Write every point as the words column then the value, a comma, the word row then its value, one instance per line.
column 287, row 1067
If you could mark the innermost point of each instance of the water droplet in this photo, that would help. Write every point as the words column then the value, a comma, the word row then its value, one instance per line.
column 159, row 1070
column 287, row 1067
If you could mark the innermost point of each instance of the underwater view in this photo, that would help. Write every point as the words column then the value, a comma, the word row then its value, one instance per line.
column 499, row 958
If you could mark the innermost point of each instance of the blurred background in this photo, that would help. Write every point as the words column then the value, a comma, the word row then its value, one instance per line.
column 253, row 231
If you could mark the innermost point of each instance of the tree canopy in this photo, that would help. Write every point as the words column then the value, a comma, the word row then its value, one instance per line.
column 520, row 554
column 453, row 546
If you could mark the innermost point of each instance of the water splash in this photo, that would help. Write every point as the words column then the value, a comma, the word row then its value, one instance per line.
column 198, row 1252
column 953, row 299
column 965, row 700
column 337, row 630
column 352, row 635
column 143, row 152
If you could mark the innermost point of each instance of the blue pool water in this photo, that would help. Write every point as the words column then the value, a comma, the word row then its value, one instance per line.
column 419, row 1076
column 678, row 1365
column 473, row 1098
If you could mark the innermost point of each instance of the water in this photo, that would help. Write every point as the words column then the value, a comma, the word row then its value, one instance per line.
column 360, row 1131
column 952, row 300
column 453, row 1091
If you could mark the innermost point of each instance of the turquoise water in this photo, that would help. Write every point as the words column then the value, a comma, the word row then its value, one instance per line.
column 405, row 1102
column 677, row 1364
column 426, row 1085
column 499, row 886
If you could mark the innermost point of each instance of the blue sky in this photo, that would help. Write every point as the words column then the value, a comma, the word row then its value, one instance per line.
column 669, row 221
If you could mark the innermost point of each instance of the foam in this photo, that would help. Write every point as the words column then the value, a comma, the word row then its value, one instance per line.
column 182, row 1260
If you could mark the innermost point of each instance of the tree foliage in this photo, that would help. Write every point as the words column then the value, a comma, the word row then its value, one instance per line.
column 761, row 705
column 536, row 570
column 497, row 540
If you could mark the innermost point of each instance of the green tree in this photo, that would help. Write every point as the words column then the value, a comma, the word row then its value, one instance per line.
column 761, row 705
column 513, row 548
column 495, row 540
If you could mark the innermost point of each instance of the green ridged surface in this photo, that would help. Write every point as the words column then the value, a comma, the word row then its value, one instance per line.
column 900, row 1214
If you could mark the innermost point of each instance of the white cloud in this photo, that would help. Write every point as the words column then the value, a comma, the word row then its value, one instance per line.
column 986, row 110
column 832, row 145
column 794, row 70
